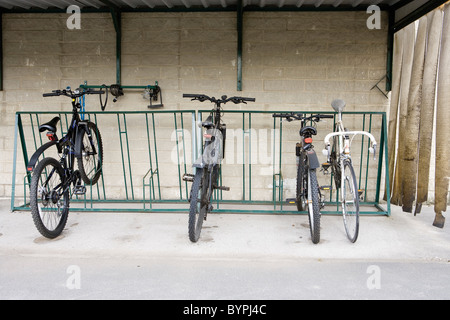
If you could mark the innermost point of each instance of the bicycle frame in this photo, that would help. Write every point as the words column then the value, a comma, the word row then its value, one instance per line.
column 214, row 147
column 72, row 138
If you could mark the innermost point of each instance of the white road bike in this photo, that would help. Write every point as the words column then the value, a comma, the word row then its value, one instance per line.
column 338, row 155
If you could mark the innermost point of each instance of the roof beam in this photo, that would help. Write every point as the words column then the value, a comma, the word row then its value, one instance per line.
column 150, row 4
column 416, row 14
column 128, row 3
column 167, row 3
column 318, row 3
column 54, row 4
column 299, row 3
column 28, row 4
column 356, row 3
column 186, row 3
column 337, row 3
column 110, row 5
column 89, row 3
column 12, row 4
column 400, row 4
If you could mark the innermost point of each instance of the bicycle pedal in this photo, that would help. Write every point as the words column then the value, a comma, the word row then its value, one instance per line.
column 325, row 167
column 325, row 188
column 360, row 192
column 79, row 190
column 291, row 200
column 188, row 177
column 223, row 188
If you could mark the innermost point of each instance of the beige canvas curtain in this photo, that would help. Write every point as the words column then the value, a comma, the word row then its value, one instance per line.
column 421, row 89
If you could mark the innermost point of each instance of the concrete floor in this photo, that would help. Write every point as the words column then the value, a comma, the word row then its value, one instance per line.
column 238, row 257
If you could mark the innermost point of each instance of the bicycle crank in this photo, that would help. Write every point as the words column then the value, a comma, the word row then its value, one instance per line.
column 223, row 188
column 188, row 177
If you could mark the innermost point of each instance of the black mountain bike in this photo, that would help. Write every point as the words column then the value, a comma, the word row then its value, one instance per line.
column 207, row 166
column 308, row 196
column 55, row 181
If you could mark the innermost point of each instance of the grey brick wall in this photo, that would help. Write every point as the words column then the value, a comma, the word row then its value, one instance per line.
column 291, row 61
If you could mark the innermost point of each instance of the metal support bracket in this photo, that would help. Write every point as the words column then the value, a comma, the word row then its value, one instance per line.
column 116, row 15
column 376, row 86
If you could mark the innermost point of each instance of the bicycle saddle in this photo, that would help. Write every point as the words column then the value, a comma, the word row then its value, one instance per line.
column 309, row 130
column 338, row 105
column 208, row 123
column 50, row 126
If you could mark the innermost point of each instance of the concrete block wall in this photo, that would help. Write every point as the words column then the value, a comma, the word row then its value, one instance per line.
column 291, row 61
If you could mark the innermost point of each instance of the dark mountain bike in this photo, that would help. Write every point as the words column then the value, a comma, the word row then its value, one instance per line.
column 55, row 181
column 308, row 196
column 207, row 166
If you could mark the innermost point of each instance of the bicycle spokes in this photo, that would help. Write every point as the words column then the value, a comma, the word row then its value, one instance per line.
column 350, row 202
column 49, row 199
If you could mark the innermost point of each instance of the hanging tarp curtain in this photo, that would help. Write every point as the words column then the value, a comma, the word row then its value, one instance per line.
column 421, row 92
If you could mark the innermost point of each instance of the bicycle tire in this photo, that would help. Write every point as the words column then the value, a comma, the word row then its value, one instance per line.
column 313, row 206
column 350, row 196
column 90, row 165
column 300, row 185
column 49, row 216
column 197, row 209
column 335, row 163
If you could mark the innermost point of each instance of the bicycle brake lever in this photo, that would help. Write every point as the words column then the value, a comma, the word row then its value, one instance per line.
column 373, row 150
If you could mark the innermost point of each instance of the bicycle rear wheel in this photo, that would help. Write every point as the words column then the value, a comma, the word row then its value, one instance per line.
column 49, row 202
column 198, row 207
column 350, row 204
column 313, row 206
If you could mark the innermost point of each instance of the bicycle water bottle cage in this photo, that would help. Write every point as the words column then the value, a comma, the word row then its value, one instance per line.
column 310, row 131
column 49, row 126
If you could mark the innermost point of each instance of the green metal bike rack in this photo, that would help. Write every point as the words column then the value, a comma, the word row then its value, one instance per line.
column 278, row 205
column 151, row 182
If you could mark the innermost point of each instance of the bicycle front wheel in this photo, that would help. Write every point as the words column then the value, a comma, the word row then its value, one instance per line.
column 198, row 207
column 90, row 162
column 300, row 194
column 49, row 202
column 313, row 206
column 350, row 204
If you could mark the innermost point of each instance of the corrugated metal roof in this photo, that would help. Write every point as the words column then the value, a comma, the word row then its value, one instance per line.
column 128, row 5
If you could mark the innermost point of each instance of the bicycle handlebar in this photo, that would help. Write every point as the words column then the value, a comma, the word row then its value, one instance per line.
column 72, row 94
column 291, row 116
column 52, row 94
column 372, row 149
column 224, row 99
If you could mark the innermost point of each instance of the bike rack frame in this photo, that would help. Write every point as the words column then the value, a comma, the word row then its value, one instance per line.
column 147, row 190
column 277, row 204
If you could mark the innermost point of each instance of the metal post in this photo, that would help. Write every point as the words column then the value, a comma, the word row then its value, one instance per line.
column 390, row 50
column 240, row 23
